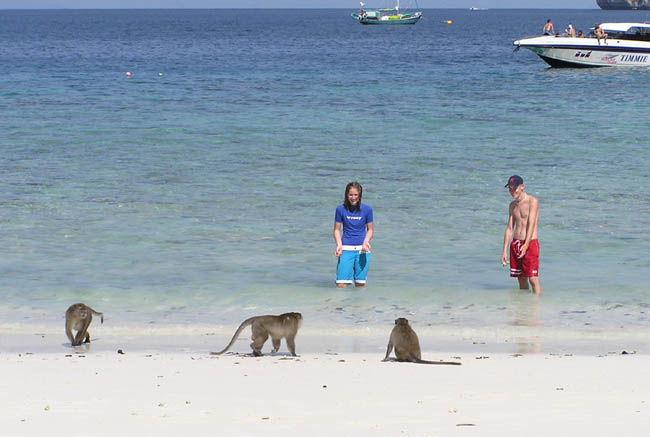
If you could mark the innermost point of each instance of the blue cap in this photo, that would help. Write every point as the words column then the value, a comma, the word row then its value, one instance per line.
column 514, row 181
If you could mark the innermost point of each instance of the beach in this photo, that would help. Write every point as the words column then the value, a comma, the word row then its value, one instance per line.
column 80, row 392
column 167, row 383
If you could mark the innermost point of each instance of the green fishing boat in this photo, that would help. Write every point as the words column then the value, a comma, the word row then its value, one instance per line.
column 386, row 16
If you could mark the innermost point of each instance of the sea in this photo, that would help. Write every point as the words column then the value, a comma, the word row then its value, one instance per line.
column 200, row 189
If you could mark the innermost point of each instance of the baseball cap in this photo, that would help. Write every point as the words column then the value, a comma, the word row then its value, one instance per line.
column 514, row 181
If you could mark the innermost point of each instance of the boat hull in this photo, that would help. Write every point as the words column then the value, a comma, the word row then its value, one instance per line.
column 587, row 52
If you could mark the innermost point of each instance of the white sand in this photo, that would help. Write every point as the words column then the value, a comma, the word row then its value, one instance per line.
column 101, row 392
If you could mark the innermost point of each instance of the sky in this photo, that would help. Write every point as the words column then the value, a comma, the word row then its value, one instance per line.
column 111, row 4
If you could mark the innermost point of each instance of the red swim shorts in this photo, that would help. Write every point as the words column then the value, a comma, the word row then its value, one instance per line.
column 527, row 266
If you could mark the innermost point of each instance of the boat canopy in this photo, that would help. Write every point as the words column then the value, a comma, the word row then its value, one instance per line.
column 625, row 27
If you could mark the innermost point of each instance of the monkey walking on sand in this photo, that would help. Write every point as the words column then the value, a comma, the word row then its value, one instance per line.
column 285, row 325
column 407, row 345
column 78, row 318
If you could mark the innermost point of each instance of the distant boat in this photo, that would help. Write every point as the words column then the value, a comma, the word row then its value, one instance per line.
column 386, row 16
column 477, row 9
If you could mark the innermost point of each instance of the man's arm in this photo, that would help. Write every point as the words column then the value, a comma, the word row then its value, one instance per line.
column 337, row 239
column 507, row 235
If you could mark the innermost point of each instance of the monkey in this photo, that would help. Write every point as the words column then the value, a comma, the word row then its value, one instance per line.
column 78, row 317
column 285, row 325
column 407, row 345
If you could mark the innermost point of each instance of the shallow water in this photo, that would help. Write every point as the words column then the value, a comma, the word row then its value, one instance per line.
column 207, row 194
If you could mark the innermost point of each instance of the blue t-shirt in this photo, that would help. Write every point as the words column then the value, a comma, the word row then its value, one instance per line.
column 354, row 224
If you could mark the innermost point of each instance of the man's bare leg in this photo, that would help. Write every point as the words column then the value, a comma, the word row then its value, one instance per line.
column 537, row 288
column 359, row 284
column 523, row 283
column 338, row 285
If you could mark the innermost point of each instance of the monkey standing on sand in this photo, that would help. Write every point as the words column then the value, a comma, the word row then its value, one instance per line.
column 285, row 325
column 78, row 317
column 407, row 345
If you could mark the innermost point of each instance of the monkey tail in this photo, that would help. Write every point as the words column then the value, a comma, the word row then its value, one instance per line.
column 450, row 363
column 101, row 315
column 243, row 325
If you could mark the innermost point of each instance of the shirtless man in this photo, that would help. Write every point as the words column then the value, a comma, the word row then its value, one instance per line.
column 548, row 28
column 522, row 229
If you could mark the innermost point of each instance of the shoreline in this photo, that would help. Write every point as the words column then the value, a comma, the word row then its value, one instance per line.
column 371, row 339
column 322, row 394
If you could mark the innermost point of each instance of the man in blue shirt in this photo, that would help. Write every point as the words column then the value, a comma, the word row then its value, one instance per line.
column 353, row 245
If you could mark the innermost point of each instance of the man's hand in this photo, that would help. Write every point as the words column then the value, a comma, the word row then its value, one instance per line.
column 522, row 251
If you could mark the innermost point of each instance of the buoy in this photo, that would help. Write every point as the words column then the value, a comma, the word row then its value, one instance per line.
column 448, row 21
column 160, row 74
column 128, row 74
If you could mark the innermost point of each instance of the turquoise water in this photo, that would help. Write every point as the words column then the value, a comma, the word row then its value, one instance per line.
column 207, row 194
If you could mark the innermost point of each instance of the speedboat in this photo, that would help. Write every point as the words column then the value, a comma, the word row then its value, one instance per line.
column 627, row 44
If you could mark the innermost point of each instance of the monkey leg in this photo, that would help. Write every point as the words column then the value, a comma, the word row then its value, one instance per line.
column 68, row 332
column 291, row 344
column 259, row 337
column 81, row 333
column 276, row 344
column 87, row 340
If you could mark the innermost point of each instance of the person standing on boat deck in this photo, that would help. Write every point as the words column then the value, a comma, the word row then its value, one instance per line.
column 600, row 33
column 353, row 244
column 522, row 228
column 548, row 28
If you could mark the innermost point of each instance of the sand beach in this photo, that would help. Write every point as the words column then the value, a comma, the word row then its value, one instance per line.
column 102, row 390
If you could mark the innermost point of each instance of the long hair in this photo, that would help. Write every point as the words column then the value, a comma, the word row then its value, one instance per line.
column 346, row 202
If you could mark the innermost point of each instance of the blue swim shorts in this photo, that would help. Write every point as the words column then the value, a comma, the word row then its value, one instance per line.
column 352, row 267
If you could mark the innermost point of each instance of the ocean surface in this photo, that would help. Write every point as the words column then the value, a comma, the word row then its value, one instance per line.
column 202, row 189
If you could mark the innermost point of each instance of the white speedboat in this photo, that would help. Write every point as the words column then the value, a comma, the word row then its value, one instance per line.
column 627, row 44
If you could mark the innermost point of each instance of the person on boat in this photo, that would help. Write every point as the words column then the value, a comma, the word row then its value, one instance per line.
column 571, row 32
column 353, row 244
column 548, row 28
column 580, row 35
column 523, row 213
column 600, row 33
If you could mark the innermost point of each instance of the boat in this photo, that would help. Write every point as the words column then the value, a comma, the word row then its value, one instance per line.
column 386, row 16
column 627, row 44
column 477, row 9
column 624, row 4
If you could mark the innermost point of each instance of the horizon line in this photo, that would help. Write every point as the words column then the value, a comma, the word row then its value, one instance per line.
column 269, row 8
